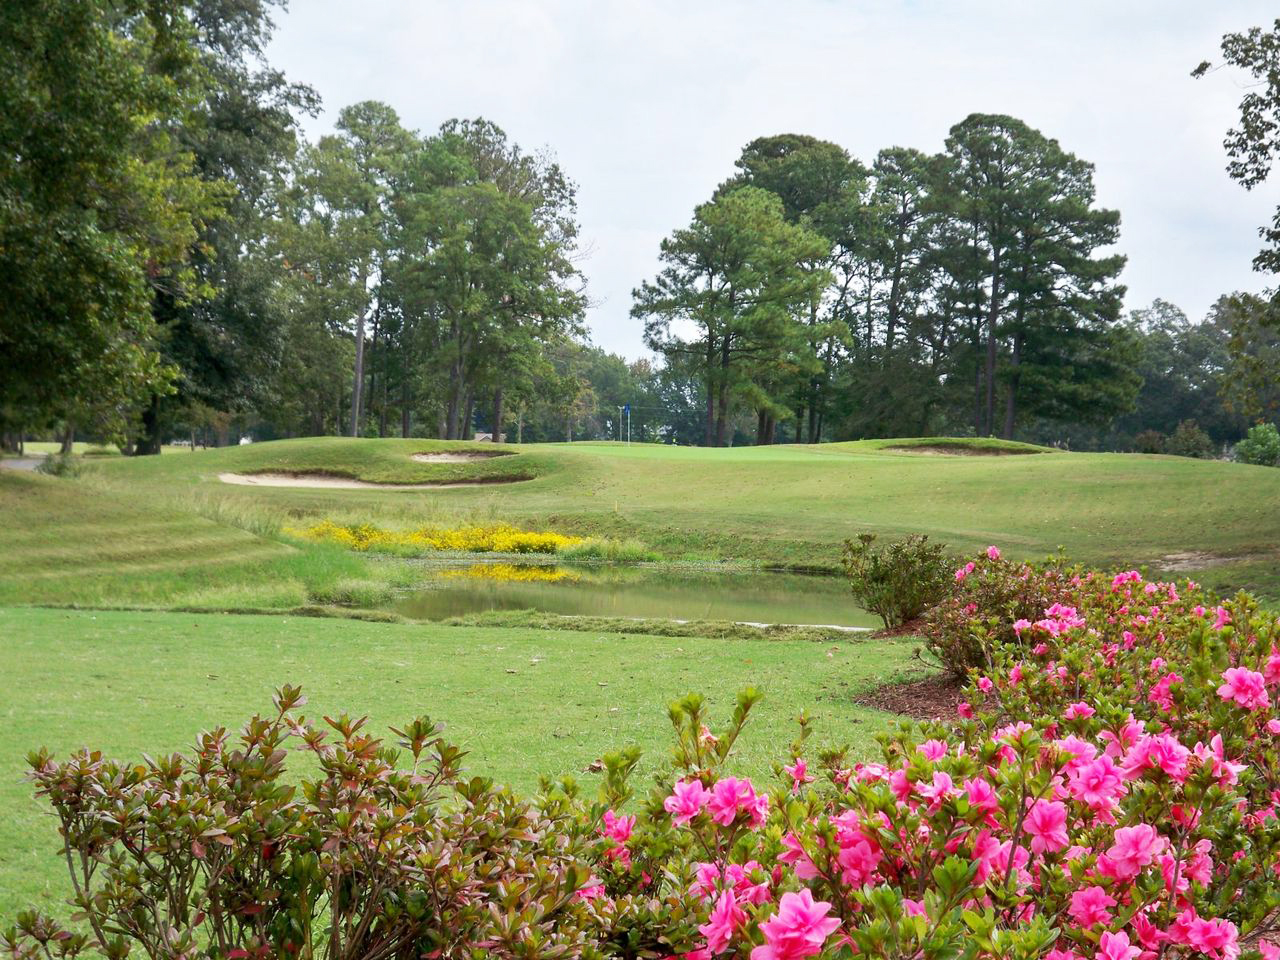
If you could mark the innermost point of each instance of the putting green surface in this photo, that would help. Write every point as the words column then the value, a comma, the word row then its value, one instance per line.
column 523, row 702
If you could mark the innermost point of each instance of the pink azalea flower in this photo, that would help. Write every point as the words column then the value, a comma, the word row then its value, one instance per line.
column 1091, row 905
column 981, row 795
column 933, row 750
column 1133, row 849
column 730, row 796
column 1162, row 751
column 900, row 785
column 985, row 684
column 1226, row 771
column 618, row 828
column 687, row 799
column 798, row 772
column 1046, row 824
column 1098, row 784
column 1082, row 710
column 707, row 880
column 1217, row 938
column 1246, row 687
column 1115, row 946
column 738, row 877
column 938, row 791
column 726, row 917
column 1221, row 618
column 993, row 553
column 798, row 930
column 795, row 853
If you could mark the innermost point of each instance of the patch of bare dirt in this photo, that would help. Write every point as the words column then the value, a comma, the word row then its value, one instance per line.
column 932, row 698
column 1190, row 560
column 912, row 628
column 460, row 456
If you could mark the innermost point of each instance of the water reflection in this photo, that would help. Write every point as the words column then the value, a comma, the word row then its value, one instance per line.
column 635, row 592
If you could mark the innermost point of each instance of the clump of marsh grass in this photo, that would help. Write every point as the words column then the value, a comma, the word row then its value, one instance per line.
column 610, row 551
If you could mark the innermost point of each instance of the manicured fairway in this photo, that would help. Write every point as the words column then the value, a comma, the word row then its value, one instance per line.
column 524, row 702
column 787, row 504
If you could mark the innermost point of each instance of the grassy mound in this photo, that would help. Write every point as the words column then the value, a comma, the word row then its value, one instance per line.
column 372, row 461
column 962, row 446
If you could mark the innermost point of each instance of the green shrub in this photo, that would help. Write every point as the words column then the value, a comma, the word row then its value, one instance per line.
column 1190, row 441
column 899, row 580
column 1150, row 441
column 1261, row 447
column 59, row 465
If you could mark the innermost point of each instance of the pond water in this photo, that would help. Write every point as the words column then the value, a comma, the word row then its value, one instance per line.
column 635, row 592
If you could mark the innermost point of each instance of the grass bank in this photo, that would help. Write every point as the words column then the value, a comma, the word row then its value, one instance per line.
column 129, row 682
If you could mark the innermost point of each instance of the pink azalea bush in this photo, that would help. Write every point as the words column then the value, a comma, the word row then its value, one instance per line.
column 1109, row 791
column 988, row 607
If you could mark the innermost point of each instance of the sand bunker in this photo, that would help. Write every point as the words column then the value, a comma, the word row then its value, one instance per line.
column 459, row 456
column 329, row 483
column 958, row 450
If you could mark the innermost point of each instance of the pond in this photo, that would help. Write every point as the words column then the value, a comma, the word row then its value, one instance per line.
column 636, row 592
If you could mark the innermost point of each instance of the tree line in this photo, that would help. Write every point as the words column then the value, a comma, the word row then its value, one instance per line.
column 180, row 260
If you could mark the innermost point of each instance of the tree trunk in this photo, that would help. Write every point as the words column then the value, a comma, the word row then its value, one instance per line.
column 468, row 420
column 977, row 397
column 148, row 443
column 357, row 386
column 762, row 423
column 520, row 425
column 722, row 401
column 709, row 430
column 497, row 415
column 456, row 402
column 405, row 419
column 993, row 318
column 1015, row 374
column 68, row 439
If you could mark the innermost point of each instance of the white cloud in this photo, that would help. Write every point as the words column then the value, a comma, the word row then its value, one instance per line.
column 647, row 103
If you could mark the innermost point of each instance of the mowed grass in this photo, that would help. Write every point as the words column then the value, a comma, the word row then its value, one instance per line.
column 789, row 505
column 523, row 702
column 76, row 542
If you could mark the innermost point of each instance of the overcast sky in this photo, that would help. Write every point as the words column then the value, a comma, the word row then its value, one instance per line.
column 646, row 104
